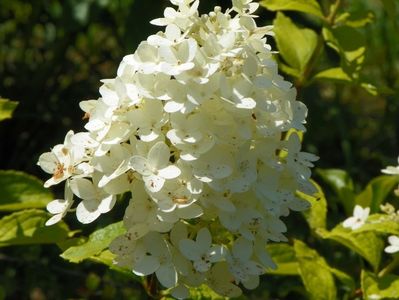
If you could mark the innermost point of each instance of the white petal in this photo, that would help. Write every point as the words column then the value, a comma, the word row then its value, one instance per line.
column 167, row 275
column 158, row 156
column 154, row 183
column 140, row 164
column 58, row 206
column 169, row 172
column 242, row 249
column 204, row 239
column 48, row 162
column 189, row 249
column 54, row 219
column 107, row 204
column 87, row 211
column 83, row 188
column 146, row 266
column 391, row 249
column 190, row 212
column 393, row 240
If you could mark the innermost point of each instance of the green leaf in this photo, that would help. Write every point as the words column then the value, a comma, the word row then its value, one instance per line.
column 21, row 191
column 336, row 74
column 7, row 108
column 376, row 191
column 382, row 223
column 366, row 244
column 355, row 19
column 315, row 273
column 97, row 241
column 373, row 287
column 284, row 257
column 298, row 55
column 342, row 184
column 305, row 6
column 316, row 216
column 27, row 227
column 347, row 41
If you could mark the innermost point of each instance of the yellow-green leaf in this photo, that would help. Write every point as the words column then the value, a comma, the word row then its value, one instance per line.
column 315, row 273
column 348, row 42
column 19, row 190
column 97, row 241
column 366, row 244
column 336, row 74
column 316, row 216
column 373, row 287
column 376, row 191
column 306, row 6
column 284, row 257
column 296, row 45
column 382, row 223
column 27, row 227
column 7, row 108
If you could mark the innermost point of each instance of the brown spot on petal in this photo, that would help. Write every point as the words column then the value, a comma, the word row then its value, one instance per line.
column 59, row 171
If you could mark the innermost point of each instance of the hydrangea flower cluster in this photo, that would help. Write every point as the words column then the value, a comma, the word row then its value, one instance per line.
column 202, row 130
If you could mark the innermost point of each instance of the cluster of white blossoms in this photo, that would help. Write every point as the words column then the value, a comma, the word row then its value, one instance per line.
column 392, row 240
column 202, row 130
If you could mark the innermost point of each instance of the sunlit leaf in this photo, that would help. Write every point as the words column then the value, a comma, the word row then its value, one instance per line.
column 97, row 241
column 333, row 74
column 366, row 244
column 296, row 45
column 27, row 227
column 284, row 257
column 382, row 223
column 316, row 216
column 355, row 19
column 7, row 108
column 306, row 6
column 376, row 191
column 315, row 273
column 19, row 190
column 373, row 287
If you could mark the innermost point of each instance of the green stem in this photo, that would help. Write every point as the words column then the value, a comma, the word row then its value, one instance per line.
column 390, row 267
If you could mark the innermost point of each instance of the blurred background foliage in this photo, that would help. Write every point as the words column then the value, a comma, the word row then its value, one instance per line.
column 53, row 55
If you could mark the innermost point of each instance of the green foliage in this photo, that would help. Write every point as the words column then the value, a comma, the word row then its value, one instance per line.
column 366, row 244
column 27, row 227
column 341, row 184
column 385, row 287
column 7, row 108
column 315, row 273
column 376, row 191
column 305, row 42
column 284, row 257
column 306, row 6
column 97, row 242
column 21, row 191
column 316, row 216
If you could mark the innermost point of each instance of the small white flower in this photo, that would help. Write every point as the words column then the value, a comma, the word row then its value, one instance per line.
column 95, row 200
column 59, row 207
column 358, row 219
column 201, row 252
column 394, row 244
column 156, row 168
column 391, row 170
